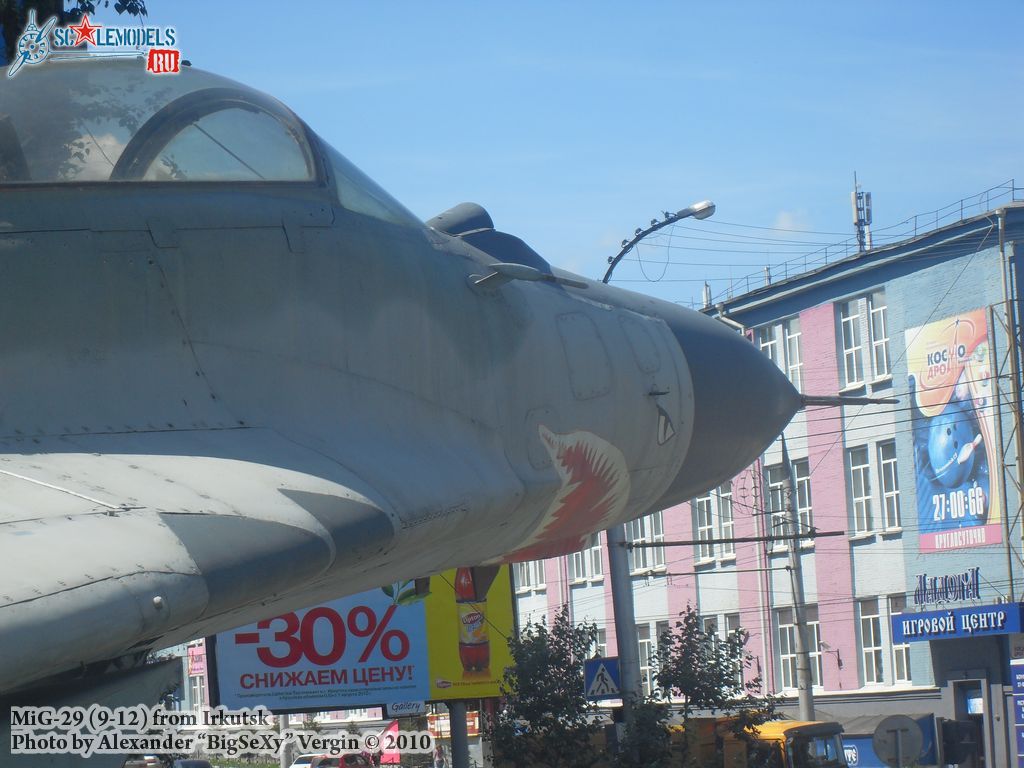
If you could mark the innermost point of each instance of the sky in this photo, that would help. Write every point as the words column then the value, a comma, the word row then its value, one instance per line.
column 576, row 123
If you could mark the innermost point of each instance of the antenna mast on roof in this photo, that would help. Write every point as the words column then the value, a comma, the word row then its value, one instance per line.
column 861, row 215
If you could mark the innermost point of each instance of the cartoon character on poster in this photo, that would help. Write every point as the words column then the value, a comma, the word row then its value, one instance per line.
column 953, row 414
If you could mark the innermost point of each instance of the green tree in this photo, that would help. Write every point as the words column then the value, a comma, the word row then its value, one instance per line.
column 14, row 15
column 546, row 718
column 712, row 675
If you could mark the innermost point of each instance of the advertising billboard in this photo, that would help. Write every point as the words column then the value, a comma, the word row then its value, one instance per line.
column 954, row 434
column 441, row 638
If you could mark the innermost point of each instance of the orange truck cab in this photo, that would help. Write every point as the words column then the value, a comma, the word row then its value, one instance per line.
column 777, row 744
column 799, row 744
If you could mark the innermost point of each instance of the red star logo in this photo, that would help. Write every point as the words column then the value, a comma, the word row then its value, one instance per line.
column 85, row 32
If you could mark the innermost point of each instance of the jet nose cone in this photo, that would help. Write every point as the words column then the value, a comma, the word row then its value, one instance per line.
column 742, row 401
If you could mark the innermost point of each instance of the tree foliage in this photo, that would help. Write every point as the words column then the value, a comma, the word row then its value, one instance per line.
column 546, row 717
column 14, row 15
column 712, row 675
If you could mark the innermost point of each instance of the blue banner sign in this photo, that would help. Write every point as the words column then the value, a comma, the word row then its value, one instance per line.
column 975, row 621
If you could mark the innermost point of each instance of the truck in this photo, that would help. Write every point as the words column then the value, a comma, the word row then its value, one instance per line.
column 776, row 744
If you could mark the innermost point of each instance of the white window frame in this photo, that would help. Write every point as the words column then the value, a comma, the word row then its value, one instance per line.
column 901, row 672
column 726, row 519
column 814, row 638
column 732, row 626
column 864, row 339
column 600, row 644
column 775, row 503
column 530, row 576
column 197, row 691
column 889, row 481
column 878, row 332
column 781, row 342
column 645, row 648
column 577, row 567
column 768, row 341
column 804, row 507
column 710, row 625
column 585, row 565
column 859, row 476
column 705, row 525
column 872, row 643
column 851, row 343
column 596, row 558
column 794, row 354
column 787, row 649
column 648, row 529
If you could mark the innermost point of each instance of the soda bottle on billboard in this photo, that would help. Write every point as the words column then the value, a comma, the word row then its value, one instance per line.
column 474, row 639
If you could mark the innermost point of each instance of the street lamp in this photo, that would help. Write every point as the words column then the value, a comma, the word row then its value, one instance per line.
column 700, row 210
column 618, row 554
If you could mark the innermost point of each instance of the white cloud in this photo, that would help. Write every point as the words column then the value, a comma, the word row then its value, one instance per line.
column 798, row 219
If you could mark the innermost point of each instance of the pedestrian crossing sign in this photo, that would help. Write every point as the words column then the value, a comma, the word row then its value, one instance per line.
column 601, row 678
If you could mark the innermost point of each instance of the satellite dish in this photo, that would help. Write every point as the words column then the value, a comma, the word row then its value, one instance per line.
column 898, row 741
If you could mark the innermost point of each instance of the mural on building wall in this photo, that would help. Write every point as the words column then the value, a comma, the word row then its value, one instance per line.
column 953, row 424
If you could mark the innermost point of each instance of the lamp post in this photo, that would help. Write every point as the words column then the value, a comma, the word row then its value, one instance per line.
column 700, row 210
column 618, row 554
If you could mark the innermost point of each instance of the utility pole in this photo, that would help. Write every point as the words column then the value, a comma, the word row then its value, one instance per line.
column 625, row 621
column 804, row 680
column 459, row 733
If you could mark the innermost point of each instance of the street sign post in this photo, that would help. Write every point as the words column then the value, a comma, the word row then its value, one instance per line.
column 601, row 678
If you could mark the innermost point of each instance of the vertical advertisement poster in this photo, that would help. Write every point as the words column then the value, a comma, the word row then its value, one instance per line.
column 445, row 637
column 953, row 425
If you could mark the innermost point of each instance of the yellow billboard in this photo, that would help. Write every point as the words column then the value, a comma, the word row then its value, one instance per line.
column 469, row 621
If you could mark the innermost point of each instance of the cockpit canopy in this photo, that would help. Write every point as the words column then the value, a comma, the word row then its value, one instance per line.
column 111, row 121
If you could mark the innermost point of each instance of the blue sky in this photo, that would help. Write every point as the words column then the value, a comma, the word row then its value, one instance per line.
column 575, row 123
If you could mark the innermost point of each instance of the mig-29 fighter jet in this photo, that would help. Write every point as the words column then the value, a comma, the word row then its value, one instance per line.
column 238, row 378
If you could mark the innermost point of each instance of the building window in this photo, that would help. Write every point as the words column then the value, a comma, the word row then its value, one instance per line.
column 529, row 576
column 646, row 530
column 713, row 513
column 787, row 645
column 710, row 626
column 586, row 564
column 596, row 562
column 849, row 331
column 725, row 518
column 781, row 343
column 860, row 488
column 775, row 478
column 787, row 649
column 600, row 646
column 890, row 483
column 794, row 357
column 663, row 630
column 197, row 691
column 802, row 472
column 871, row 641
column 814, row 643
column 643, row 638
column 768, row 342
column 732, row 625
column 578, row 566
column 879, row 328
column 900, row 652
column 868, row 315
column 705, row 528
